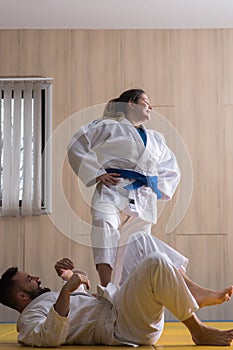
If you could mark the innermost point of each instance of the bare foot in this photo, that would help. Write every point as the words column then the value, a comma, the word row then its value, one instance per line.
column 207, row 297
column 212, row 336
column 204, row 335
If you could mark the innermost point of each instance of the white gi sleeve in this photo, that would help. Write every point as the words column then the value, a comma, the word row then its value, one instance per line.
column 168, row 171
column 36, row 329
column 82, row 158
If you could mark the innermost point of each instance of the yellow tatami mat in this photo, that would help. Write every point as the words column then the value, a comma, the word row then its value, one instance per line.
column 174, row 337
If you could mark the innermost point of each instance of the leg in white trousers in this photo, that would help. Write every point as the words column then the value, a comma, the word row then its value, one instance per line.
column 110, row 231
column 140, row 245
column 117, row 237
column 154, row 284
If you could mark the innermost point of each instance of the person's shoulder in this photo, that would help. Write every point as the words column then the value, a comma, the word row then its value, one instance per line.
column 92, row 125
column 157, row 135
column 47, row 296
column 106, row 121
column 42, row 303
column 102, row 122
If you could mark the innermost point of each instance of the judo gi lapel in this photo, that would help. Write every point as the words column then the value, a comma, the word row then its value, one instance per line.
column 146, row 153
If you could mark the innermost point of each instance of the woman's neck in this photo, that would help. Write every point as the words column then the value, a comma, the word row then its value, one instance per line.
column 134, row 122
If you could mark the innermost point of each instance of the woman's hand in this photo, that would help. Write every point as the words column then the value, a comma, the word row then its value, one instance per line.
column 64, row 268
column 108, row 179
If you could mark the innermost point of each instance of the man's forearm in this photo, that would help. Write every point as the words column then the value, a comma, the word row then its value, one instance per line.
column 62, row 305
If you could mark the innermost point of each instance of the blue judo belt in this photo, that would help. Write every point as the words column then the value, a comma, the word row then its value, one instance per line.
column 140, row 180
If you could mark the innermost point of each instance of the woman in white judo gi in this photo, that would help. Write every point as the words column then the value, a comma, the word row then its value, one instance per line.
column 133, row 168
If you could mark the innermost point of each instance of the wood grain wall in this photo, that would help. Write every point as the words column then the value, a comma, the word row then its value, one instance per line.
column 188, row 75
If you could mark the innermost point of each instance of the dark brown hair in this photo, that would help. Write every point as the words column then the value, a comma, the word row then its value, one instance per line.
column 117, row 108
column 6, row 287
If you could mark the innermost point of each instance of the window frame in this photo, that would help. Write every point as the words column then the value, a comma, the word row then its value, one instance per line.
column 46, row 131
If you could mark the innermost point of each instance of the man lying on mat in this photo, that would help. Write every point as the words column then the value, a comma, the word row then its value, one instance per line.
column 131, row 315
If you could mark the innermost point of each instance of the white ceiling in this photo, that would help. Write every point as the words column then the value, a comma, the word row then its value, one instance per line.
column 115, row 14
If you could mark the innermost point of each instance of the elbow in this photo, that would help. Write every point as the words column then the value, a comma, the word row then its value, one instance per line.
column 41, row 344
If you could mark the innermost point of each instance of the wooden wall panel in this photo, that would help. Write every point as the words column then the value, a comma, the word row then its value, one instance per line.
column 148, row 63
column 188, row 77
column 228, row 66
column 12, row 253
column 10, row 53
column 199, row 82
column 97, row 71
column 228, row 117
column 44, row 245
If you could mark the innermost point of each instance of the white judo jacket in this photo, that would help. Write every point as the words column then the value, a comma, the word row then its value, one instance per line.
column 106, row 143
column 90, row 321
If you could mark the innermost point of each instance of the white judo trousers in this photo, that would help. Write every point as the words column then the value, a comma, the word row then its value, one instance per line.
column 154, row 284
column 129, row 240
column 140, row 245
column 112, row 229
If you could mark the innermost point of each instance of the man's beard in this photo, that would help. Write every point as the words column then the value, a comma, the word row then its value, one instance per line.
column 36, row 292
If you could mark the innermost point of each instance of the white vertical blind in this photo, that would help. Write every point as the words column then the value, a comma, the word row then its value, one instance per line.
column 7, row 154
column 27, row 151
column 21, row 147
column 36, row 199
column 16, row 147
